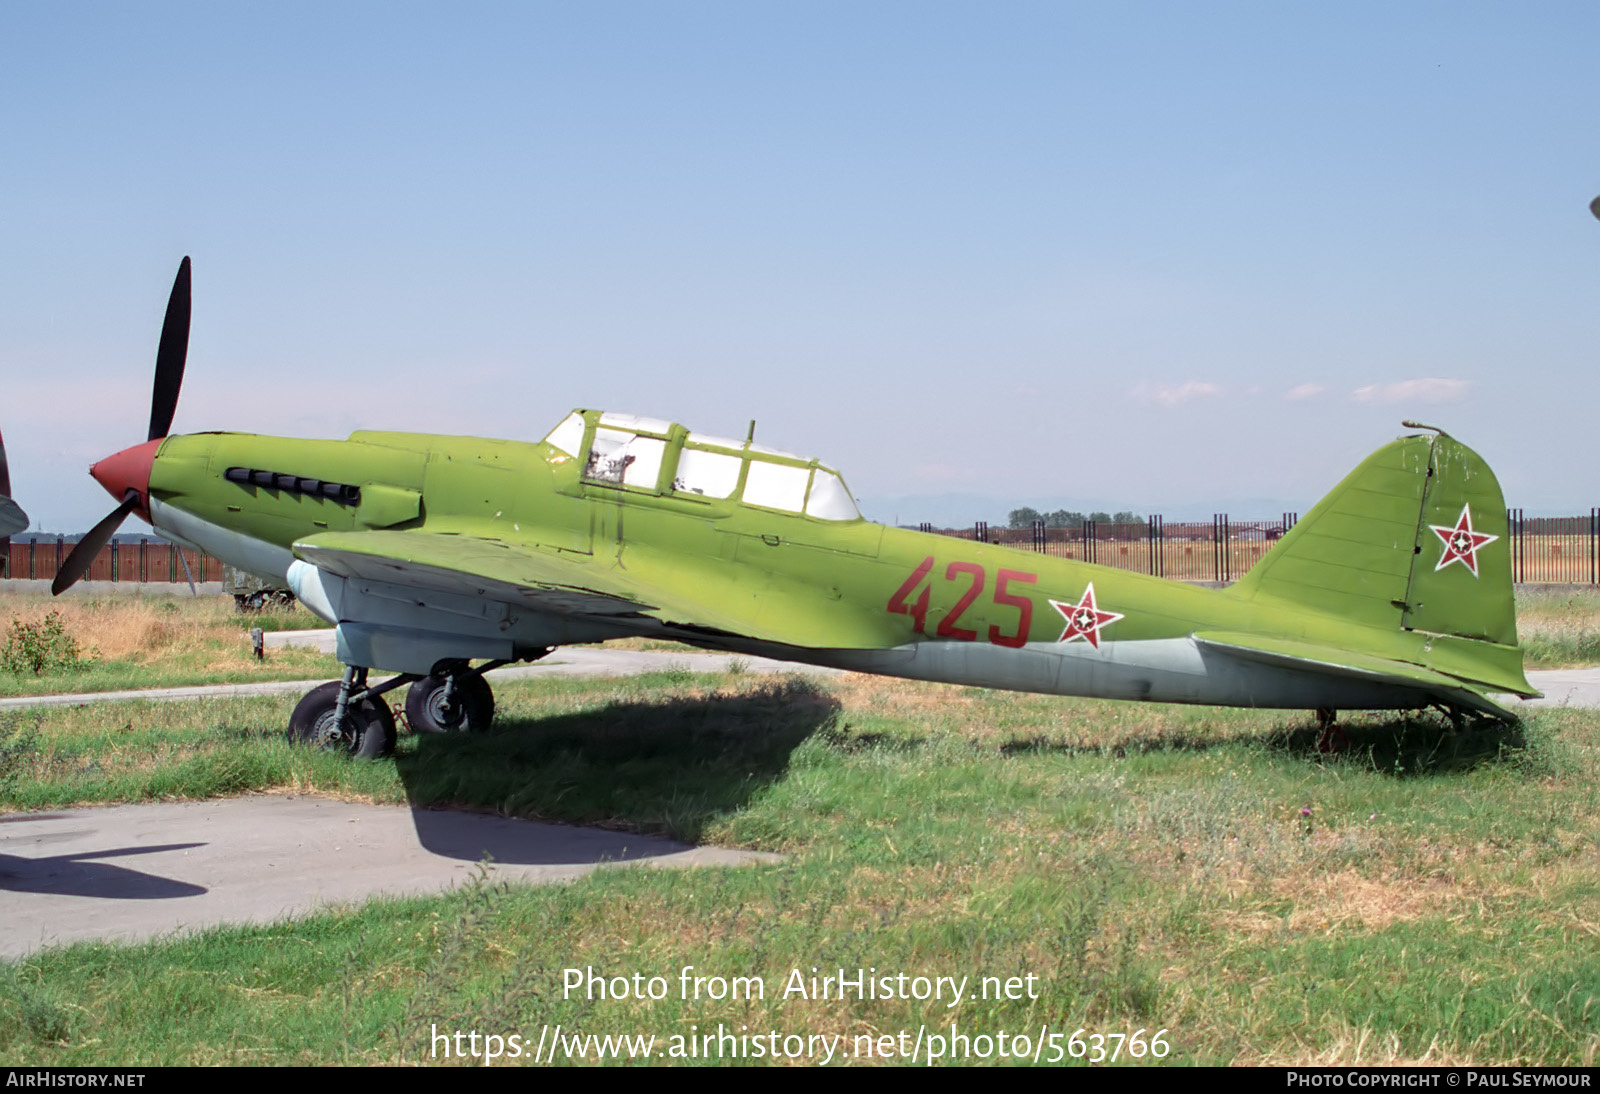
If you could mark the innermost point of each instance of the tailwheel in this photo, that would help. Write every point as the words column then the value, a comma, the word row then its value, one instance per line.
column 1332, row 739
column 366, row 731
column 457, row 702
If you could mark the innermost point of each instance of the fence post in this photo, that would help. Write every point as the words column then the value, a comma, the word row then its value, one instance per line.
column 1516, row 545
column 33, row 546
column 1227, row 562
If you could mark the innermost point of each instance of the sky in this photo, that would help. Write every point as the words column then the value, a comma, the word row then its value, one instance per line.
column 1167, row 257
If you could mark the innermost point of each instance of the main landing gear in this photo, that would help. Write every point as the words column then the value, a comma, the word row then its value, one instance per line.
column 457, row 700
column 352, row 717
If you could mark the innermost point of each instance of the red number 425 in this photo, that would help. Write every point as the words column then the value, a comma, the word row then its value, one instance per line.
column 976, row 577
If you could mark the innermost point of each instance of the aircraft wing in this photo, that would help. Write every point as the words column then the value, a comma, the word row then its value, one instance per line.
column 1333, row 661
column 693, row 594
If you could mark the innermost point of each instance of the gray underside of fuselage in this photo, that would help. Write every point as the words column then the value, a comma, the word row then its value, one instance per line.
column 1167, row 670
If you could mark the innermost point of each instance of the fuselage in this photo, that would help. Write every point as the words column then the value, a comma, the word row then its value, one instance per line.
column 825, row 587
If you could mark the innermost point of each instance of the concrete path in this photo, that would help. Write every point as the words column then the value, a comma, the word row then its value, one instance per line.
column 1565, row 687
column 133, row 872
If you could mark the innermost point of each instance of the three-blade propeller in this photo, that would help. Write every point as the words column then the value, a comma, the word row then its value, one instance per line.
column 171, row 355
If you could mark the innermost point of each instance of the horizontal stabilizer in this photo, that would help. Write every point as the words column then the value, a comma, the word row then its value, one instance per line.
column 1332, row 661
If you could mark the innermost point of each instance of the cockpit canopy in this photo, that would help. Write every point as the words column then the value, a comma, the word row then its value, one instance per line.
column 657, row 456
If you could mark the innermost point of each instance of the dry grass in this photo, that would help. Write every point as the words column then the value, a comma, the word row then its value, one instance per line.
column 1327, row 902
column 128, row 640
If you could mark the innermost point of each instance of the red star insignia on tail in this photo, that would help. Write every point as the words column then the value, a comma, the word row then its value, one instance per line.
column 1461, row 543
column 1084, row 619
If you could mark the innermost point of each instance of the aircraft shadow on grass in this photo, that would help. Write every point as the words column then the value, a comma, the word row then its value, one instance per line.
column 1402, row 746
column 661, row 766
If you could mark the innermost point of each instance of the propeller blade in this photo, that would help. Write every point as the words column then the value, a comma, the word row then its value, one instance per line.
column 82, row 557
column 171, row 355
column 12, row 520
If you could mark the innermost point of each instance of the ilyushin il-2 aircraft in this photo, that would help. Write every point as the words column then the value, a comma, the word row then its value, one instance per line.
column 440, row 558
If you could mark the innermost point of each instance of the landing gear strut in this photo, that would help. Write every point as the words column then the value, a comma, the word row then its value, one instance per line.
column 1332, row 739
column 453, row 699
column 350, row 717
column 346, row 716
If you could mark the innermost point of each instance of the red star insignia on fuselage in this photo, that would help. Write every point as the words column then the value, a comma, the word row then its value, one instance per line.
column 1461, row 543
column 1084, row 619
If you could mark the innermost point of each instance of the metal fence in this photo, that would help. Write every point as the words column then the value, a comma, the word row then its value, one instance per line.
column 1555, row 550
column 1221, row 550
column 39, row 557
column 1544, row 550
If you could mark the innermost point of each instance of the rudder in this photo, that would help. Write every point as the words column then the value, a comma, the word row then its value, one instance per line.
column 1461, row 569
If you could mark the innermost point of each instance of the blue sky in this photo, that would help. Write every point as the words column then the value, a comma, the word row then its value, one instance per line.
column 1152, row 256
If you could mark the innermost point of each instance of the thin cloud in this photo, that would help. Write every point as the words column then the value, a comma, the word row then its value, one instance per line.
column 1174, row 394
column 1306, row 391
column 1434, row 389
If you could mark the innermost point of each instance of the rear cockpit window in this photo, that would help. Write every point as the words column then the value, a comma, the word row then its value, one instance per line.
column 776, row 486
column 707, row 474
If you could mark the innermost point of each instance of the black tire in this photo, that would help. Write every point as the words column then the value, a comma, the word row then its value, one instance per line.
column 369, row 735
column 471, row 712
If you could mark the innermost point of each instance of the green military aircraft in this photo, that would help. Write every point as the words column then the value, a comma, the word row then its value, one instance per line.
column 441, row 558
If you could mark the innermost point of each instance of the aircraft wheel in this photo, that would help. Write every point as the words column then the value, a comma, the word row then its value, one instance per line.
column 470, row 711
column 369, row 730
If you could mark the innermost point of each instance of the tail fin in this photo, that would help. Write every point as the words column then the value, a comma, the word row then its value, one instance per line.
column 1414, row 541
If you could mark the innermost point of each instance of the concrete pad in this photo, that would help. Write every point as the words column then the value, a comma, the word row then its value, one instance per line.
column 1564, row 688
column 134, row 872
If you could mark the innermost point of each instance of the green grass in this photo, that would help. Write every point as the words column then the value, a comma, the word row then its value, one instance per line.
column 1423, row 896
